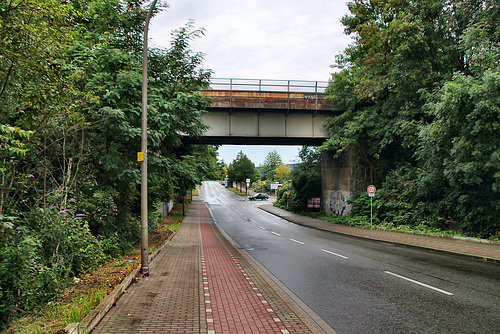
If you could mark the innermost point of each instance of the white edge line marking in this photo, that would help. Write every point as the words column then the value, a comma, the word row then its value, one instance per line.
column 330, row 252
column 299, row 242
column 262, row 228
column 419, row 283
column 279, row 235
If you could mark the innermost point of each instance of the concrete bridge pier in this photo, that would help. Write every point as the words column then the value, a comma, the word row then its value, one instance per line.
column 339, row 182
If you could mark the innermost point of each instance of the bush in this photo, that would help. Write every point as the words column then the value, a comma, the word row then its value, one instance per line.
column 41, row 256
column 287, row 199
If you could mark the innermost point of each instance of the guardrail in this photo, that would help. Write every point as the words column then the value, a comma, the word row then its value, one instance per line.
column 268, row 94
column 267, row 85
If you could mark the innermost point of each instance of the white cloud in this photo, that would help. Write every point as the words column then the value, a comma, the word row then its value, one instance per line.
column 261, row 39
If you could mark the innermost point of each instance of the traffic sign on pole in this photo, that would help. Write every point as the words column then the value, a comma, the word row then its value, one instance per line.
column 371, row 190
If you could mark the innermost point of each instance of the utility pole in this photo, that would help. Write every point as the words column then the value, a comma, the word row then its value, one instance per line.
column 144, row 149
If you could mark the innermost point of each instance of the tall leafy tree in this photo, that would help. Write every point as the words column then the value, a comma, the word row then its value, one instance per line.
column 306, row 181
column 399, row 48
column 272, row 161
column 112, row 66
column 282, row 173
column 306, row 177
column 241, row 168
column 459, row 151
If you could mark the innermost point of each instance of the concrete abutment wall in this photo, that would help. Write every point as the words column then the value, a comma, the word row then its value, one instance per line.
column 342, row 177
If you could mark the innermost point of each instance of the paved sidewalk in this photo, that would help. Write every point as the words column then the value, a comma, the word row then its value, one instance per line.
column 200, row 283
column 480, row 250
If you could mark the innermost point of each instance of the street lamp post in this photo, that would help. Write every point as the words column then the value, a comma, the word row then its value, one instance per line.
column 144, row 149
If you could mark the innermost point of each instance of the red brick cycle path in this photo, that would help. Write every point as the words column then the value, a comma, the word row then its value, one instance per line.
column 200, row 283
column 233, row 303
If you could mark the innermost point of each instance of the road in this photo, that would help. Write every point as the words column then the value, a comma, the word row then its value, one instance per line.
column 364, row 286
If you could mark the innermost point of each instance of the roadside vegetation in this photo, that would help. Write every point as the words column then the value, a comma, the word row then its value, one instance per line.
column 417, row 98
column 70, row 131
column 417, row 94
column 85, row 293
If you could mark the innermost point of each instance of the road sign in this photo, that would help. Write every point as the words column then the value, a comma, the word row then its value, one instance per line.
column 371, row 190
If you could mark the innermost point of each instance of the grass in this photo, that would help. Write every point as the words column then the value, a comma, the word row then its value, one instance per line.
column 85, row 295
column 365, row 223
column 79, row 300
column 237, row 191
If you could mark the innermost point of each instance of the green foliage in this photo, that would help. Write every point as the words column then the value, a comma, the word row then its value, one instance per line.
column 393, row 202
column 419, row 89
column 282, row 173
column 241, row 169
column 287, row 199
column 41, row 257
column 306, row 177
column 306, row 182
column 70, row 130
column 461, row 149
column 272, row 161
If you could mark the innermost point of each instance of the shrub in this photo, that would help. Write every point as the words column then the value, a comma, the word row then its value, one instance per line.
column 41, row 256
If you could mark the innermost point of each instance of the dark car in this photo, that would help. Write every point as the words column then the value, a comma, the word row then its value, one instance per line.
column 262, row 196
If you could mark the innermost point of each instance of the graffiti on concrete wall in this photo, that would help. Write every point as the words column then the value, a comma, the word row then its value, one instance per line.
column 337, row 203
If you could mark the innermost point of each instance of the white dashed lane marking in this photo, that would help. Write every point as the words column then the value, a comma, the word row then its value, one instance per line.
column 297, row 241
column 420, row 283
column 332, row 253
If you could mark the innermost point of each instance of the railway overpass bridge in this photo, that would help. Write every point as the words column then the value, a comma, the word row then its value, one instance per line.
column 279, row 112
column 265, row 112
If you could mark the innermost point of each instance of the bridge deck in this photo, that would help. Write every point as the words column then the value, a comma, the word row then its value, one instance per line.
column 265, row 112
column 267, row 100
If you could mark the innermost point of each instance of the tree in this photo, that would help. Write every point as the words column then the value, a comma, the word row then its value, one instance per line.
column 400, row 48
column 241, row 168
column 206, row 156
column 282, row 173
column 272, row 161
column 418, row 87
column 175, row 106
column 459, row 154
column 71, row 80
column 306, row 177
column 306, row 181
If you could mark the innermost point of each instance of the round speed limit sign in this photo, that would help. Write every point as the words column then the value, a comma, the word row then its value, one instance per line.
column 371, row 190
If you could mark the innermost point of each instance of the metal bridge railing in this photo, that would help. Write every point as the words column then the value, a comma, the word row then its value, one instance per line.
column 266, row 85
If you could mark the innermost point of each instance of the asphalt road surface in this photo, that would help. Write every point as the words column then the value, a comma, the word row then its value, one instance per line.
column 364, row 286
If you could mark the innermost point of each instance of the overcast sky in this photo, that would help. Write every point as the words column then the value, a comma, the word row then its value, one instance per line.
column 260, row 39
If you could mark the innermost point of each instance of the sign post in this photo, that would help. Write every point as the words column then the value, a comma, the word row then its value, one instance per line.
column 371, row 192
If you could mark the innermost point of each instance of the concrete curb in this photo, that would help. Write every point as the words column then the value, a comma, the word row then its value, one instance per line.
column 92, row 319
column 471, row 256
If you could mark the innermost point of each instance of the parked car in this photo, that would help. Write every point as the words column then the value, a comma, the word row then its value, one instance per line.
column 262, row 196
